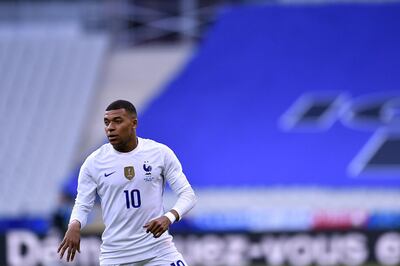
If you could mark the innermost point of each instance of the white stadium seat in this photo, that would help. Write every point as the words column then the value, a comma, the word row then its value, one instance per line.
column 48, row 78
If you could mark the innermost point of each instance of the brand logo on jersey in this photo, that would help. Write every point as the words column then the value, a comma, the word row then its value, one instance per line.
column 106, row 175
column 129, row 172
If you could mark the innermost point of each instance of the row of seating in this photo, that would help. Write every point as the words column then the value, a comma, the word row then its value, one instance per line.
column 47, row 82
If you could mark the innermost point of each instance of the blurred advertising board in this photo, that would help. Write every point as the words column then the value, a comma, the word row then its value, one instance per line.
column 21, row 247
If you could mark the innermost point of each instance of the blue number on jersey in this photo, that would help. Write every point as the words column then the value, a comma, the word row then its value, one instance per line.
column 178, row 263
column 134, row 199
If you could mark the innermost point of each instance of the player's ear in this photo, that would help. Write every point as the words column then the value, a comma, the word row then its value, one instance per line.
column 134, row 122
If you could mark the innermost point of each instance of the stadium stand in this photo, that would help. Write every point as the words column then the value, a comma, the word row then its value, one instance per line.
column 232, row 97
column 48, row 77
column 225, row 116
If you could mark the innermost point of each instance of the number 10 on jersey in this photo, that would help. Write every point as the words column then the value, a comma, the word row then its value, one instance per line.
column 178, row 263
column 132, row 198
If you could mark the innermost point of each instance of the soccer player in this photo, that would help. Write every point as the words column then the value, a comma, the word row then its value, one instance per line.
column 129, row 175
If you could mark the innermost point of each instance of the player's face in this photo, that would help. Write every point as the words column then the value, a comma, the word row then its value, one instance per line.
column 120, row 128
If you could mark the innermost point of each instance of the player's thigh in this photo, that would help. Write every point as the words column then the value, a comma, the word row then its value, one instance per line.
column 170, row 259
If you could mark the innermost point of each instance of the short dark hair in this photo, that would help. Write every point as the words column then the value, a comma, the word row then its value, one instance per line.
column 119, row 104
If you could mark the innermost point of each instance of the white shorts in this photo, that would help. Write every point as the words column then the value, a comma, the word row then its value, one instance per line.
column 169, row 259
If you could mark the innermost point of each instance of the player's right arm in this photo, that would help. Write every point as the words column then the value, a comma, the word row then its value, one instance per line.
column 71, row 241
column 83, row 205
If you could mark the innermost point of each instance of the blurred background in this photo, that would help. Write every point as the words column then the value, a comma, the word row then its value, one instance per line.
column 285, row 115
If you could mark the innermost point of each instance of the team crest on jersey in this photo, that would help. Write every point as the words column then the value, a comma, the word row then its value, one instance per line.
column 129, row 172
column 147, row 168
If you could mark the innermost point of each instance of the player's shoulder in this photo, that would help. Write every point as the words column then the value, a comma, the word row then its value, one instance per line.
column 101, row 152
column 150, row 144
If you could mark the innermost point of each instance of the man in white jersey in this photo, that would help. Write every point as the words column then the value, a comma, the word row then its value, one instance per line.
column 129, row 175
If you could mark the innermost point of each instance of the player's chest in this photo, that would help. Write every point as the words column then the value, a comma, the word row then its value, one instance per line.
column 130, row 172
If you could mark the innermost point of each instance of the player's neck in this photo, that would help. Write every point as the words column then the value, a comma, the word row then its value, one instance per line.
column 130, row 146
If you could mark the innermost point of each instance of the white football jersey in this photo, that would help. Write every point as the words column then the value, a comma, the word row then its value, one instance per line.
column 130, row 186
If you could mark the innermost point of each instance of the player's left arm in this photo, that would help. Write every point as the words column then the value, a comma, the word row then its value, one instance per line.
column 180, row 185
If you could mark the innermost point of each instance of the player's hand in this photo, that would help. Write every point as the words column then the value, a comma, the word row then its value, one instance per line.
column 157, row 226
column 71, row 242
